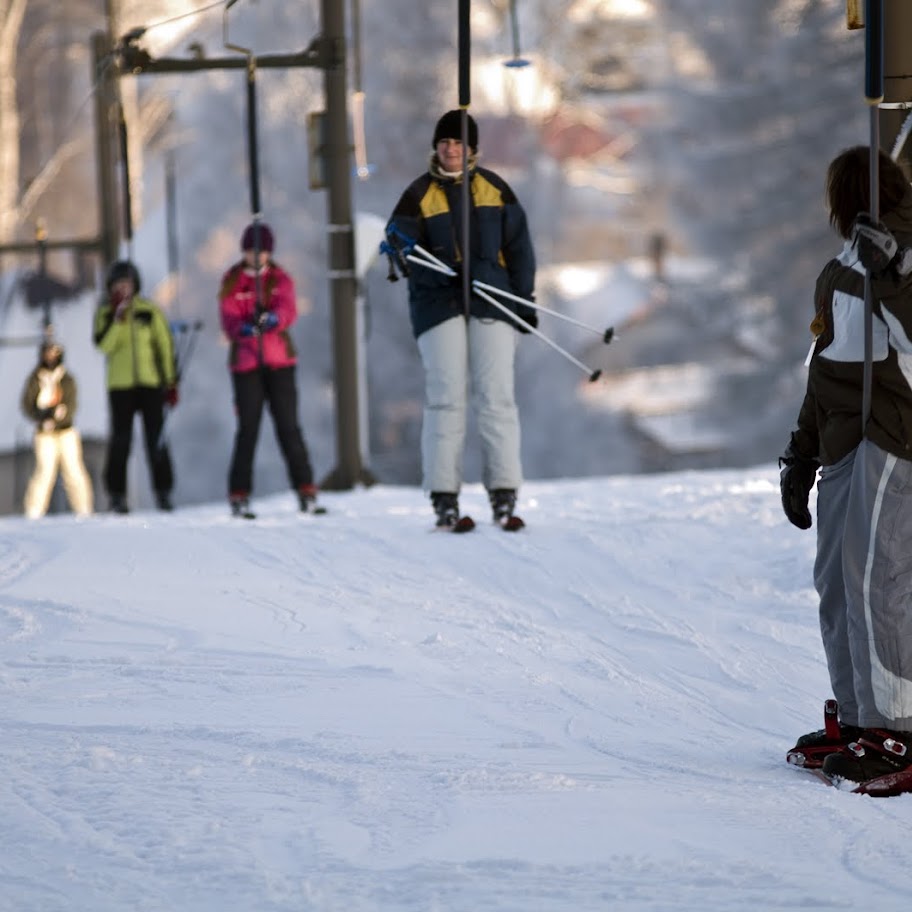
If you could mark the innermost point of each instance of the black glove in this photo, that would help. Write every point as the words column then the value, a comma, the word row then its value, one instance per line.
column 878, row 250
column 795, row 482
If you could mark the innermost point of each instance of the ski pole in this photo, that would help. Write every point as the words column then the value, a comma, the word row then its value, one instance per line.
column 607, row 335
column 413, row 252
column 593, row 374
column 183, row 349
column 182, row 352
column 874, row 93
column 431, row 262
column 436, row 267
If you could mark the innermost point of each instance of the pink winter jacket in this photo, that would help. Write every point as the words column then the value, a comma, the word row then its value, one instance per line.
column 237, row 307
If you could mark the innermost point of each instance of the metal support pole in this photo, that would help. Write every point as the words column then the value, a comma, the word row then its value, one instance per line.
column 104, row 75
column 349, row 469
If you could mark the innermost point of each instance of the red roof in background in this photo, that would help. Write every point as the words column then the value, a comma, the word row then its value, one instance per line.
column 566, row 135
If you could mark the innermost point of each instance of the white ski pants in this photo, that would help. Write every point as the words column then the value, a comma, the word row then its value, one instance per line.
column 459, row 355
column 58, row 450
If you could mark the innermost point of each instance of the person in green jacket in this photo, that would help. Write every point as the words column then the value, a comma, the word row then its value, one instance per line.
column 136, row 339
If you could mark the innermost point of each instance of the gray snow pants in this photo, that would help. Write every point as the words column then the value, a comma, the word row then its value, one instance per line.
column 833, row 487
column 458, row 355
column 877, row 565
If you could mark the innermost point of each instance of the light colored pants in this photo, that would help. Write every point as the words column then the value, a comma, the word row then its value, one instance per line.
column 58, row 450
column 456, row 355
column 833, row 489
column 877, row 563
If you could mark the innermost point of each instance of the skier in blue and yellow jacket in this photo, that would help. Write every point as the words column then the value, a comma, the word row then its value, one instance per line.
column 459, row 350
column 135, row 337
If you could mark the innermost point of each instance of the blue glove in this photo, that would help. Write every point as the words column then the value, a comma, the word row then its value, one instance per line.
column 268, row 320
column 248, row 329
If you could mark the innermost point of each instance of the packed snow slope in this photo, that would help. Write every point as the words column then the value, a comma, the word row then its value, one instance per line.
column 351, row 712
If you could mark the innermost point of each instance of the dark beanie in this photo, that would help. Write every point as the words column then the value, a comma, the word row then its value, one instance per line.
column 267, row 241
column 450, row 127
column 123, row 269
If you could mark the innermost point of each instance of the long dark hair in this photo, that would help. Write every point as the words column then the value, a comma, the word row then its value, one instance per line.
column 848, row 182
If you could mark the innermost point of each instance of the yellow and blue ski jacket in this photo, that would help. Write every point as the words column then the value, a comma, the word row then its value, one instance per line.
column 430, row 212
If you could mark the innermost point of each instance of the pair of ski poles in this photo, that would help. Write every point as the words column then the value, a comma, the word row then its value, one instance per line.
column 409, row 251
column 186, row 334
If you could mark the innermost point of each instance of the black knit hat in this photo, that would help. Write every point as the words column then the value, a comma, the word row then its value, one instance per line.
column 450, row 127
column 266, row 238
column 123, row 269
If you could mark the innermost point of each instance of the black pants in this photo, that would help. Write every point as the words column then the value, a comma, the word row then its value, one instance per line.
column 278, row 388
column 124, row 404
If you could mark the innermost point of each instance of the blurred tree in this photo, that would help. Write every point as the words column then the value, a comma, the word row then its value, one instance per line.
column 11, row 15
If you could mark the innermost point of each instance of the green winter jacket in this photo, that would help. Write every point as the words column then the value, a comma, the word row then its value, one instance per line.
column 139, row 348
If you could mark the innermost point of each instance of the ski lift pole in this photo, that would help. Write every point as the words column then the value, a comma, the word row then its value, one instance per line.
column 362, row 168
column 607, row 334
column 254, row 171
column 517, row 60
column 465, row 99
column 874, row 93
column 171, row 227
column 125, row 176
column 41, row 240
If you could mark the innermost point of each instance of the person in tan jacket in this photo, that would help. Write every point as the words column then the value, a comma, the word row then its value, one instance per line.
column 49, row 399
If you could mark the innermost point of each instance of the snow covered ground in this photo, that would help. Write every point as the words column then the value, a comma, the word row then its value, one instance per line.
column 353, row 713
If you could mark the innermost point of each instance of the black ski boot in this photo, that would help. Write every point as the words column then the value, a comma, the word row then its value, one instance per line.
column 119, row 504
column 503, row 504
column 163, row 501
column 446, row 506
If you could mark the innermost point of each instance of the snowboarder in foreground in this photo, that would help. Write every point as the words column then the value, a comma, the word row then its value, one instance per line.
column 863, row 566
column 458, row 349
column 257, row 306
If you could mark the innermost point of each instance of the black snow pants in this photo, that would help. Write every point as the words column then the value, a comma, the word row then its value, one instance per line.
column 278, row 388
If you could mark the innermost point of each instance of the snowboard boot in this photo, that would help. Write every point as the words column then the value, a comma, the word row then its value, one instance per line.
column 811, row 749
column 876, row 752
column 446, row 506
column 503, row 503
